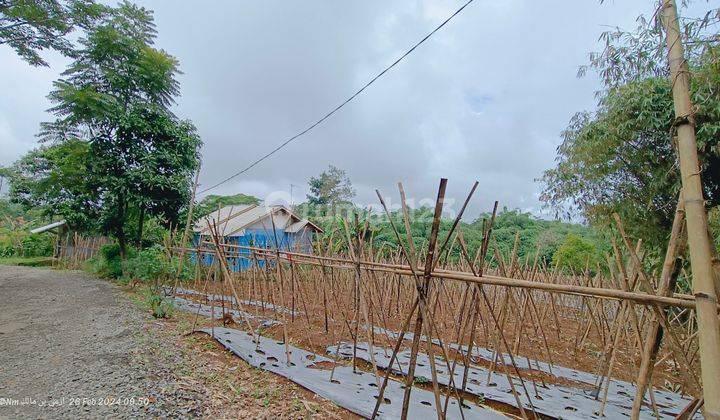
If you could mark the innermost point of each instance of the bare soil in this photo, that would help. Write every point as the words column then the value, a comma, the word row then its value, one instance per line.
column 73, row 346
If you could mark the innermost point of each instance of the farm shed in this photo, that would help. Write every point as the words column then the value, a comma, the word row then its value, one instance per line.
column 62, row 233
column 252, row 225
column 71, row 245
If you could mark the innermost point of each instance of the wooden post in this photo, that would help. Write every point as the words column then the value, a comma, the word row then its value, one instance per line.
column 186, row 231
column 670, row 271
column 695, row 214
column 422, row 293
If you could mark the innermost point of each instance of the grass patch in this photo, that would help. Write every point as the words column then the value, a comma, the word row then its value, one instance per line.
column 159, row 305
column 27, row 261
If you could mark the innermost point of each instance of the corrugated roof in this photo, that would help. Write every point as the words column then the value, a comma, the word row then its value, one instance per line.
column 48, row 227
column 222, row 217
column 232, row 219
column 297, row 226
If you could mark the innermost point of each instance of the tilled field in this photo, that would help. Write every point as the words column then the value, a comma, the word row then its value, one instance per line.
column 556, row 340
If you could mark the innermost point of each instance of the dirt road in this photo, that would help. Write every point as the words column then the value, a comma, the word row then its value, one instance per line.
column 69, row 346
column 73, row 346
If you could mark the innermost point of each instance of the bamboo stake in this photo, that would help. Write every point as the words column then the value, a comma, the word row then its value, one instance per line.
column 670, row 271
column 674, row 342
column 422, row 292
column 677, row 300
column 278, row 268
column 188, row 220
column 696, row 216
column 422, row 301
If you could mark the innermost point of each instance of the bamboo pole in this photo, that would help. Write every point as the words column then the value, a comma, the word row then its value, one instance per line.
column 278, row 269
column 696, row 216
column 422, row 290
column 421, row 298
column 682, row 301
column 655, row 332
column 645, row 282
column 186, row 230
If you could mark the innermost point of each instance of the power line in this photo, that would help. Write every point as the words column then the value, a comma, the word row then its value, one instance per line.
column 337, row 108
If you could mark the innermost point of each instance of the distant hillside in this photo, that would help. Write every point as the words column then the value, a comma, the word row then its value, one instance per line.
column 573, row 246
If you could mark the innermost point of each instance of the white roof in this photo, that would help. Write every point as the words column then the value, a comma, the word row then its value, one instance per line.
column 230, row 220
column 45, row 228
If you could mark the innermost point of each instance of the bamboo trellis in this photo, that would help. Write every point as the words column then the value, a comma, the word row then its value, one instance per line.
column 520, row 309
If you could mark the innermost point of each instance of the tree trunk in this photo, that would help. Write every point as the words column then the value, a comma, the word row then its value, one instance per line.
column 120, row 228
column 122, row 242
column 141, row 222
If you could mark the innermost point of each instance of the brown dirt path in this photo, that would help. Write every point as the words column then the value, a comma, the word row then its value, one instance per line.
column 73, row 346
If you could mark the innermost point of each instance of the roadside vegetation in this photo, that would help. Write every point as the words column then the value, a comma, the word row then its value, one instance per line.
column 145, row 271
column 17, row 244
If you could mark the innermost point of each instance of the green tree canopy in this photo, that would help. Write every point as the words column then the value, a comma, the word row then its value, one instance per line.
column 576, row 255
column 539, row 240
column 211, row 202
column 113, row 100
column 331, row 188
column 621, row 158
column 30, row 26
column 52, row 179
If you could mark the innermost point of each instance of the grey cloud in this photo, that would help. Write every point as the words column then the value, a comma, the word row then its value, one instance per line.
column 485, row 99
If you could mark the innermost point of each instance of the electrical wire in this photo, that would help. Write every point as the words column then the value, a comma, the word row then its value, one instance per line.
column 337, row 108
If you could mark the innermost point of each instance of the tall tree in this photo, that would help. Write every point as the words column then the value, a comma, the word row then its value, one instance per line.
column 576, row 255
column 115, row 98
column 331, row 188
column 621, row 158
column 30, row 26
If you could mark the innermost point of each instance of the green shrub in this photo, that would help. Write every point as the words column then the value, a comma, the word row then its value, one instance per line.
column 148, row 265
column 152, row 265
column 187, row 268
column 20, row 243
column 37, row 245
column 109, row 264
column 161, row 306
column 7, row 249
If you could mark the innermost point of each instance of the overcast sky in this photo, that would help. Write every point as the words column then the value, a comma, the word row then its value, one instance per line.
column 484, row 99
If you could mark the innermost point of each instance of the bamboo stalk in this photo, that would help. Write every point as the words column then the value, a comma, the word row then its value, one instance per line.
column 670, row 271
column 696, row 216
column 681, row 301
column 422, row 289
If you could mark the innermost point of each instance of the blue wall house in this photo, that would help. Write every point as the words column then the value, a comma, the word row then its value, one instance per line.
column 252, row 225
